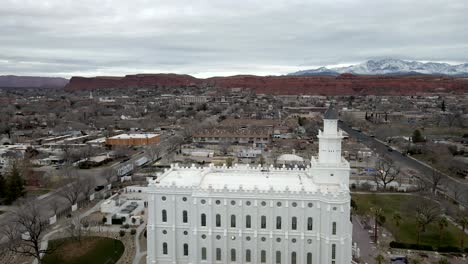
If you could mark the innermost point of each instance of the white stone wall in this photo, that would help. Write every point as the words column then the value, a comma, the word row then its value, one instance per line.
column 325, row 209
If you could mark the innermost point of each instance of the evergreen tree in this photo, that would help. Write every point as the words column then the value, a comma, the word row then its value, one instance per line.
column 2, row 187
column 442, row 107
column 15, row 184
column 417, row 136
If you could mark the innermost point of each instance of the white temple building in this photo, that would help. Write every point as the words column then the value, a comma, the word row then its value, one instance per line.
column 245, row 214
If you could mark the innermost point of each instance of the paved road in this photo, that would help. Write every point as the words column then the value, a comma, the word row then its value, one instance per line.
column 406, row 162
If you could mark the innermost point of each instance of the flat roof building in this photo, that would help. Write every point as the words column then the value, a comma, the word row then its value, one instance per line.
column 134, row 139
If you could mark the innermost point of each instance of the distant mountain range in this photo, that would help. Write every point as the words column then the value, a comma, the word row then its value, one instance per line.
column 391, row 67
column 7, row 81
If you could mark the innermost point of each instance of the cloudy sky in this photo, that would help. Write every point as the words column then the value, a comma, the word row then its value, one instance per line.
column 223, row 37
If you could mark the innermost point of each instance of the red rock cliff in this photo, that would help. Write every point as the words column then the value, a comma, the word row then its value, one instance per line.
column 345, row 84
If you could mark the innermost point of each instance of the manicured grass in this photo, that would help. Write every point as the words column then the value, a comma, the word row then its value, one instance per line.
column 91, row 250
column 407, row 231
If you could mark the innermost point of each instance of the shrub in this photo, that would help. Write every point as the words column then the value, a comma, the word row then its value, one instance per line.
column 133, row 231
column 126, row 226
column 449, row 249
column 104, row 220
column 122, row 233
column 395, row 244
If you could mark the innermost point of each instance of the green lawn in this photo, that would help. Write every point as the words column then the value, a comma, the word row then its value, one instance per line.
column 91, row 250
column 406, row 232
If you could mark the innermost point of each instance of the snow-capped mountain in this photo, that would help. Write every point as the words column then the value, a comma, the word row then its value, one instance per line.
column 391, row 67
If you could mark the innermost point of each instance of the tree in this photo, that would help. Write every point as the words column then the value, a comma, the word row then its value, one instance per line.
column 379, row 259
column 154, row 151
column 88, row 185
column 76, row 228
column 26, row 231
column 15, row 184
column 377, row 213
column 442, row 224
column 426, row 213
column 54, row 205
column 417, row 136
column 73, row 187
column 3, row 186
column 442, row 106
column 437, row 179
column 386, row 172
column 397, row 219
column 108, row 174
column 443, row 261
column 462, row 220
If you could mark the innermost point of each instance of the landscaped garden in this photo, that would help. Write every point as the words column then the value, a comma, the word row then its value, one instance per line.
column 400, row 218
column 89, row 250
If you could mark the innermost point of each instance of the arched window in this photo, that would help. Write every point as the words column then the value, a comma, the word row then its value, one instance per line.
column 233, row 220
column 293, row 258
column 263, row 222
column 218, row 220
column 184, row 216
column 334, row 228
column 185, row 249
column 218, row 254
column 263, row 256
column 278, row 222
column 310, row 223
column 248, row 222
column 233, row 255
column 248, row 257
column 333, row 251
column 164, row 248
column 309, row 258
column 294, row 223
column 164, row 215
column 203, row 253
column 278, row 257
column 203, row 219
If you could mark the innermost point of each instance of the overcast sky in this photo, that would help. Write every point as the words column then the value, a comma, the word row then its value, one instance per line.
column 223, row 37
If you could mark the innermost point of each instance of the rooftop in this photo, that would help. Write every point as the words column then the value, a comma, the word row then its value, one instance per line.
column 128, row 136
column 244, row 177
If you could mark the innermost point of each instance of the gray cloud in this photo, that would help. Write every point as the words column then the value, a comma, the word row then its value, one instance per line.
column 88, row 37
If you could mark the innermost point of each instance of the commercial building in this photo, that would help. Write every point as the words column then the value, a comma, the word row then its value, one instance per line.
column 244, row 214
column 134, row 139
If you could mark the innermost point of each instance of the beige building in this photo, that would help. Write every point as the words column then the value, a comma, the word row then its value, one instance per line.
column 134, row 139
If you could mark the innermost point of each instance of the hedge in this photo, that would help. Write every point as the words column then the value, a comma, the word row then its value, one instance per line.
column 446, row 249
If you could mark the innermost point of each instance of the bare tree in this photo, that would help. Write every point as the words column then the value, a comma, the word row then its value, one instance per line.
column 386, row 172
column 174, row 142
column 54, row 205
column 224, row 147
column 108, row 174
column 76, row 229
column 88, row 185
column 26, row 232
column 437, row 179
column 154, row 151
column 73, row 187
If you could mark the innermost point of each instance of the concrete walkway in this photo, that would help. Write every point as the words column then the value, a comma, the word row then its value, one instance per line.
column 138, row 254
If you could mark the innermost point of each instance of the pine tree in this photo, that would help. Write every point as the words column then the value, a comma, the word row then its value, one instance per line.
column 442, row 107
column 15, row 184
column 2, row 187
column 417, row 136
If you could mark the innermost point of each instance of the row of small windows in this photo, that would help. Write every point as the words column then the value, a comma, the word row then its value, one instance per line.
column 248, row 203
column 248, row 221
column 248, row 238
column 248, row 254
